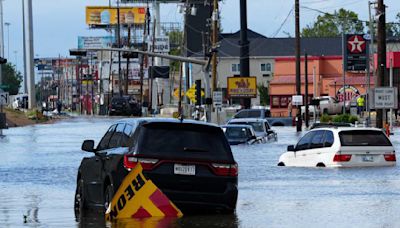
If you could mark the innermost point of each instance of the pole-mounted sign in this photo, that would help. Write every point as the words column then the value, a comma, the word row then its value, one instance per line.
column 355, row 53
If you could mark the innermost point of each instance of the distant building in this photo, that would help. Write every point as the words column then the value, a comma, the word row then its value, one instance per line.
column 272, row 62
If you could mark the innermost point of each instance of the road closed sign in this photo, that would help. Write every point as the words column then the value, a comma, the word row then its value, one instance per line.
column 138, row 197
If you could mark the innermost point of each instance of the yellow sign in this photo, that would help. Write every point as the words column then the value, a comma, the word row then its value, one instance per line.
column 104, row 15
column 138, row 197
column 242, row 87
column 191, row 93
column 176, row 93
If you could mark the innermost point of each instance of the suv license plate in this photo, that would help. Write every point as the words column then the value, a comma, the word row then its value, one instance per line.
column 184, row 169
column 368, row 158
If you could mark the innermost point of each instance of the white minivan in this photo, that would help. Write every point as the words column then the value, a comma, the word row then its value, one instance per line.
column 340, row 147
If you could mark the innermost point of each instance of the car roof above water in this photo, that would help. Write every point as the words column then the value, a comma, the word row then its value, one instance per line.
column 339, row 129
column 164, row 120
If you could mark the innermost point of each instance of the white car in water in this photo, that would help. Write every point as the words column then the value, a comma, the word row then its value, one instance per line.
column 340, row 147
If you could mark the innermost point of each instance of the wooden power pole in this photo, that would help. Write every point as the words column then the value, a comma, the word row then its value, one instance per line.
column 215, row 19
column 381, row 42
column 298, row 78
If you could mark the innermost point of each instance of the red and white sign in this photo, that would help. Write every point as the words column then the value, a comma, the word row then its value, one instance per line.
column 356, row 44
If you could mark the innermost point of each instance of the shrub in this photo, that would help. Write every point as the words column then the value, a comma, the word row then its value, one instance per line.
column 325, row 118
column 345, row 118
column 353, row 119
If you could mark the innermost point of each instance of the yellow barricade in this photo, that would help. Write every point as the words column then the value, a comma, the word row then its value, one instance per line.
column 138, row 197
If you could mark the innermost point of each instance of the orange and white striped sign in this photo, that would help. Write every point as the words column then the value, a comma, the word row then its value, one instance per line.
column 138, row 197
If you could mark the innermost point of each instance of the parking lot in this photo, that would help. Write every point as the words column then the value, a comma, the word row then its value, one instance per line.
column 38, row 179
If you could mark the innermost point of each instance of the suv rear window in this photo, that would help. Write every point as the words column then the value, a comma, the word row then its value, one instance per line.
column 183, row 140
column 363, row 138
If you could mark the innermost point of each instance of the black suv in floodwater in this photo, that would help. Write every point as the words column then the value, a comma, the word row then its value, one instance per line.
column 191, row 162
column 124, row 106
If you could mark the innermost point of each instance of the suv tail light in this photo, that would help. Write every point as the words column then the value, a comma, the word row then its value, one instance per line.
column 130, row 162
column 342, row 157
column 390, row 157
column 230, row 170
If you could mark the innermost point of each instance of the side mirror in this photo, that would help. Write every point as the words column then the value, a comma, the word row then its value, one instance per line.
column 270, row 131
column 290, row 148
column 252, row 137
column 88, row 145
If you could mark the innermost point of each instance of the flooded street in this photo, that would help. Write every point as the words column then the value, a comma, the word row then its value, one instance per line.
column 38, row 168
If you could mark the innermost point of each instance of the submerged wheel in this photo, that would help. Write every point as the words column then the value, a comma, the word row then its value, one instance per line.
column 281, row 164
column 321, row 164
column 79, row 204
column 108, row 196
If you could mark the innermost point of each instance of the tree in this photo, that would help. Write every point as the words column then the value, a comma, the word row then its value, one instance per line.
column 333, row 25
column 12, row 78
column 264, row 94
column 393, row 29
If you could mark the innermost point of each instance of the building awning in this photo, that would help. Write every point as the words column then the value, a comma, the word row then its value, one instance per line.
column 352, row 80
column 289, row 80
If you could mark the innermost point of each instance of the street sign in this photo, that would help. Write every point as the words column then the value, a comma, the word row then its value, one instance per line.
column 191, row 93
column 297, row 100
column 385, row 97
column 217, row 98
column 4, row 97
column 161, row 44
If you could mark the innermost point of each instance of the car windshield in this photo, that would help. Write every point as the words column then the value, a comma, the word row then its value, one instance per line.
column 237, row 133
column 257, row 126
column 183, row 140
column 363, row 138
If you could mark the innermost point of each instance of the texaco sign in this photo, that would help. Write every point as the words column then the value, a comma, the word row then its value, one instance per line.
column 355, row 55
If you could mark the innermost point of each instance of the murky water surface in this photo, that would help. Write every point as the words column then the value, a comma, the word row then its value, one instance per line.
column 38, row 168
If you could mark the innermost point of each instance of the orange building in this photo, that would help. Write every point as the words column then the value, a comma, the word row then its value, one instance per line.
column 325, row 78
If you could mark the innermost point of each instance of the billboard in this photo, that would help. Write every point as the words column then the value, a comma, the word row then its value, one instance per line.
column 242, row 87
column 104, row 15
column 95, row 41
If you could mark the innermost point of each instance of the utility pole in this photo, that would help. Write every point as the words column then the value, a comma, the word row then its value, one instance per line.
column 127, row 62
column 119, row 53
column 306, row 116
column 298, row 78
column 2, row 39
column 29, row 55
column 244, row 48
column 24, row 46
column 381, row 40
column 215, row 19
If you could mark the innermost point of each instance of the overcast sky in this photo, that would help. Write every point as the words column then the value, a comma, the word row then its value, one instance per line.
column 58, row 23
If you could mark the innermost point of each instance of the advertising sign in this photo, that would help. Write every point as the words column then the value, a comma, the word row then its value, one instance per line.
column 297, row 100
column 242, row 87
column 161, row 44
column 104, row 15
column 347, row 93
column 95, row 41
column 355, row 53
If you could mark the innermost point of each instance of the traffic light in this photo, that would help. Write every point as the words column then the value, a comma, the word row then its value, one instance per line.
column 3, row 60
column 198, row 92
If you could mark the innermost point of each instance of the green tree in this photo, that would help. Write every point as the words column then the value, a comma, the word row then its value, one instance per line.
column 393, row 29
column 332, row 25
column 12, row 78
column 264, row 94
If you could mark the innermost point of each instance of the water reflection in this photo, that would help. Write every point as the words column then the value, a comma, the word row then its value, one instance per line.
column 228, row 221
